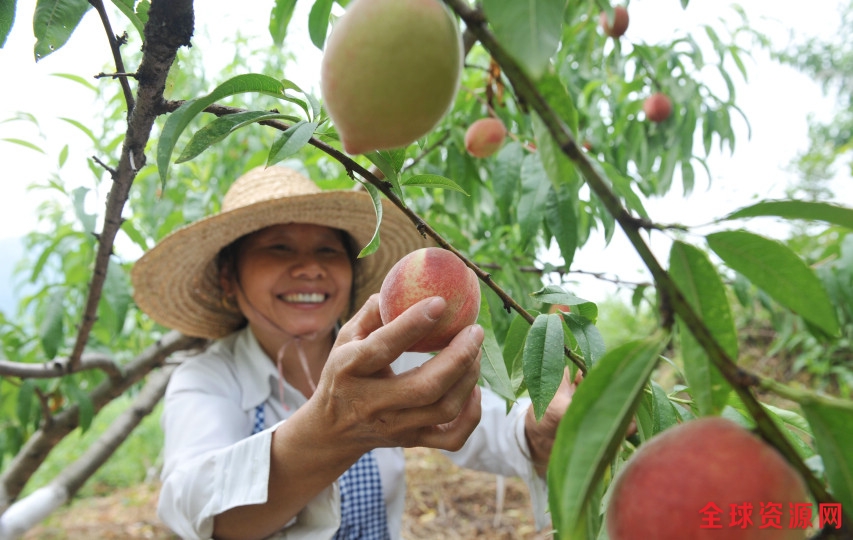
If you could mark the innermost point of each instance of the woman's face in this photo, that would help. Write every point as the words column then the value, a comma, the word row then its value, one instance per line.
column 292, row 280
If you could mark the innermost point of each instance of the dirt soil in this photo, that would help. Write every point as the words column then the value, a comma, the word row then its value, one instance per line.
column 443, row 502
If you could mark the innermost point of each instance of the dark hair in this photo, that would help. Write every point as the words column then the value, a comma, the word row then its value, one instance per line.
column 226, row 260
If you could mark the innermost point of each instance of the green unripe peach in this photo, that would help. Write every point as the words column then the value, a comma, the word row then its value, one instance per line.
column 390, row 72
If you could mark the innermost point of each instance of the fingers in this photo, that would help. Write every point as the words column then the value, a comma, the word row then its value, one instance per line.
column 437, row 392
column 437, row 404
column 378, row 345
column 453, row 435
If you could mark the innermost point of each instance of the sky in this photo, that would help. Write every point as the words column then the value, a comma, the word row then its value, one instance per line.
column 776, row 99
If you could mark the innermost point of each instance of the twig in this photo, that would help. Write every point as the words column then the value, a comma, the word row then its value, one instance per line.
column 112, row 171
column 115, row 47
column 562, row 271
column 103, row 75
column 60, row 367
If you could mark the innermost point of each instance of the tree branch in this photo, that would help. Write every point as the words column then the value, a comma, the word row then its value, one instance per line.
column 29, row 511
column 737, row 377
column 58, row 368
column 39, row 445
column 115, row 47
column 169, row 27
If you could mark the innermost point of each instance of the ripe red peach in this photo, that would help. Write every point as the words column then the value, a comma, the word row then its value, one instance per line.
column 620, row 22
column 431, row 272
column 390, row 72
column 657, row 107
column 686, row 478
column 484, row 137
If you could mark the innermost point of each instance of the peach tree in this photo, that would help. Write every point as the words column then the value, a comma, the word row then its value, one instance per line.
column 579, row 158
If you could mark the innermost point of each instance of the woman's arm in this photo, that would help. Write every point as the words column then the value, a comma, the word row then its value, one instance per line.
column 360, row 404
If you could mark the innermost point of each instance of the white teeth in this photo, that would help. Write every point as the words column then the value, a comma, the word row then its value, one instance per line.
column 305, row 298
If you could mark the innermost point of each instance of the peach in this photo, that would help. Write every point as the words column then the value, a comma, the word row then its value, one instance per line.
column 484, row 137
column 687, row 478
column 657, row 107
column 390, row 72
column 431, row 272
column 620, row 22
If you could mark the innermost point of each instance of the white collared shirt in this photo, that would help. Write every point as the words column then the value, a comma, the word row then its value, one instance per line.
column 213, row 463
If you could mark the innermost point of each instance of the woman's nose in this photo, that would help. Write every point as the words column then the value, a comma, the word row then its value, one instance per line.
column 308, row 267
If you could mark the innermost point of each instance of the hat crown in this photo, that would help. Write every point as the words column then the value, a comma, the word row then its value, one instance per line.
column 265, row 184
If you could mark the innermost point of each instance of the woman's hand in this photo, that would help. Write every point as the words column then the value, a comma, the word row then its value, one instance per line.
column 360, row 404
column 540, row 435
column 365, row 404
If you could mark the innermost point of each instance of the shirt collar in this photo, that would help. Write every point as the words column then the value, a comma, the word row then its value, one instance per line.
column 254, row 369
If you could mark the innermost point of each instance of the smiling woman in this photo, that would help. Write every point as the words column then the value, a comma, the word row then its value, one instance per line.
column 274, row 279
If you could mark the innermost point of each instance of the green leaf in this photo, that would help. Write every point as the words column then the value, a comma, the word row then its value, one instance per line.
column 513, row 351
column 702, row 287
column 534, row 193
column 543, row 361
column 492, row 366
column 25, row 144
column 553, row 89
column 561, row 218
column 373, row 245
column 595, row 425
column 318, row 21
column 223, row 126
column 84, row 129
column 815, row 211
column 506, row 177
column 7, row 19
column 126, row 8
column 555, row 294
column 656, row 412
column 834, row 439
column 53, row 23
column 389, row 166
column 24, row 404
column 291, row 141
column 115, row 299
column 85, row 407
column 178, row 120
column 558, row 167
column 530, row 30
column 79, row 199
column 777, row 270
column 589, row 339
column 280, row 17
column 51, row 330
column 432, row 181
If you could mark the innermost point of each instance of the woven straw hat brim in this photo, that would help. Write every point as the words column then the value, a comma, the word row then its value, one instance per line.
column 176, row 283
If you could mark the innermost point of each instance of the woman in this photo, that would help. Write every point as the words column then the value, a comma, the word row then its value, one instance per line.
column 290, row 425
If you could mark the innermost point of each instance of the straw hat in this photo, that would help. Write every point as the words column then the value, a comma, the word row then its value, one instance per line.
column 177, row 284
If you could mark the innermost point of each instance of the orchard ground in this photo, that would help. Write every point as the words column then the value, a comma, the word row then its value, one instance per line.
column 443, row 501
